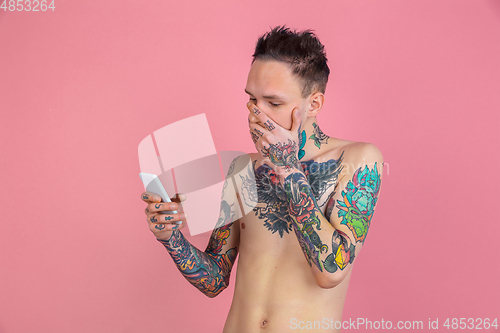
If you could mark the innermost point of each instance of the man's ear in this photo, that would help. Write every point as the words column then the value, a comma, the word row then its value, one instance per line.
column 316, row 101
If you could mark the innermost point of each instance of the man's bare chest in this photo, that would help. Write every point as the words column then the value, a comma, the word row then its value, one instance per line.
column 270, row 214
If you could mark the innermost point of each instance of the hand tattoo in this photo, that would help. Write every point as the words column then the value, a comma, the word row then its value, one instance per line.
column 282, row 154
column 269, row 125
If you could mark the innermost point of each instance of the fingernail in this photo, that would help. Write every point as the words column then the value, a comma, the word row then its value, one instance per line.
column 183, row 216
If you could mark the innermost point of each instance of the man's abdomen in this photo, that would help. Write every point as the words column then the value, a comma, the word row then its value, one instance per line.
column 275, row 287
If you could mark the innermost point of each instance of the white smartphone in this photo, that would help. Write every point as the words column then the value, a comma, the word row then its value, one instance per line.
column 153, row 184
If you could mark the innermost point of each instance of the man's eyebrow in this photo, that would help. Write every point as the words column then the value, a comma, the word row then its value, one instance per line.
column 268, row 96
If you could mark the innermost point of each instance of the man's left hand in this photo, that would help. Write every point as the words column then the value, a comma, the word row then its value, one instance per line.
column 277, row 145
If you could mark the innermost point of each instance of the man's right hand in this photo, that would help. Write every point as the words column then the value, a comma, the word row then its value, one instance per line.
column 162, row 225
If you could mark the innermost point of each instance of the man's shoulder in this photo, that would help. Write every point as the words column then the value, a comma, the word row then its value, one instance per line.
column 365, row 151
column 253, row 157
column 239, row 163
column 357, row 151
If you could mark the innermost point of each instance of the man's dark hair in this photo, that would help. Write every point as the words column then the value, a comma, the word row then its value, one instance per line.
column 302, row 50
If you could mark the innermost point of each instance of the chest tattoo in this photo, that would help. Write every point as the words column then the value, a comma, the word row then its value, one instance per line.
column 272, row 204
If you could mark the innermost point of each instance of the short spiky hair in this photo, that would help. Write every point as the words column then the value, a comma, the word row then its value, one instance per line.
column 302, row 50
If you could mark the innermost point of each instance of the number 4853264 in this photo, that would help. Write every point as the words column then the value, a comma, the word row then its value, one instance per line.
column 27, row 5
column 470, row 323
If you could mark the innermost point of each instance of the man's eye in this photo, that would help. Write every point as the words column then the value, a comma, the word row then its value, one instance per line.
column 273, row 104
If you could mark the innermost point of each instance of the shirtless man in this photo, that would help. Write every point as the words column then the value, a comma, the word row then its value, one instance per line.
column 311, row 207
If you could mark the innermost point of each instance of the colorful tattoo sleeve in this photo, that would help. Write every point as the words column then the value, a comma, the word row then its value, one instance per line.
column 343, row 252
column 356, row 210
column 359, row 199
column 208, row 271
column 305, row 214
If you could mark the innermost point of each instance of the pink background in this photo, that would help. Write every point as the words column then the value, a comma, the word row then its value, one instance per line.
column 80, row 87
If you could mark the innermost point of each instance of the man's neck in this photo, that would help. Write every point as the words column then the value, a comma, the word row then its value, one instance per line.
column 315, row 140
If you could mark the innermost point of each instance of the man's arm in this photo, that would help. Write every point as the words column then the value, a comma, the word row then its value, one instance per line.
column 209, row 271
column 330, row 248
column 327, row 247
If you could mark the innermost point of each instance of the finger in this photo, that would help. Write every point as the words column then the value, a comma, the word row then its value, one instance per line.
column 253, row 120
column 150, row 197
column 296, row 121
column 168, row 218
column 173, row 226
column 265, row 120
column 169, row 227
column 179, row 209
column 263, row 140
column 255, row 137
column 250, row 119
column 256, row 133
column 253, row 109
column 161, row 206
column 259, row 129
column 179, row 197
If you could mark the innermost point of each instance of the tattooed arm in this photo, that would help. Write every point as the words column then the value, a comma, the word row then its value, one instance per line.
column 209, row 271
column 330, row 248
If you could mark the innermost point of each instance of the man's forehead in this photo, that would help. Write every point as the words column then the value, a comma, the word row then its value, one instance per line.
column 271, row 79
